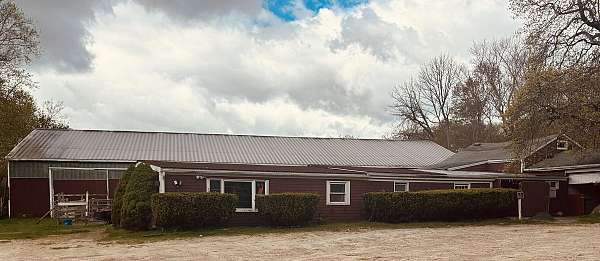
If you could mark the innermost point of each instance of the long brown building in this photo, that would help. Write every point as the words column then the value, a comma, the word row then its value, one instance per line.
column 48, row 163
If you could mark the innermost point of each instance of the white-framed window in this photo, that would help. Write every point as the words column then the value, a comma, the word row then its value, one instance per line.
column 462, row 185
column 400, row 186
column 338, row 193
column 562, row 145
column 246, row 189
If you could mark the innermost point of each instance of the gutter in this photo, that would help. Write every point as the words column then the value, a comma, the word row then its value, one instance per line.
column 565, row 167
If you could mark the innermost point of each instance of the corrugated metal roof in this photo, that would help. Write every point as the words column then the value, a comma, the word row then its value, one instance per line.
column 220, row 148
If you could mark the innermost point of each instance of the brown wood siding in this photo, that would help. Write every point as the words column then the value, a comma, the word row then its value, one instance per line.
column 545, row 152
column 80, row 186
column 189, row 183
column 559, row 204
column 419, row 186
column 113, row 186
column 281, row 185
column 29, row 197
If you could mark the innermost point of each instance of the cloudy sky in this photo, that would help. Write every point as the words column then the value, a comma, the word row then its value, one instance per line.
column 275, row 67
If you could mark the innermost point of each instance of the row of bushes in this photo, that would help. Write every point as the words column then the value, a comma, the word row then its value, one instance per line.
column 440, row 205
column 186, row 210
column 138, row 206
column 192, row 210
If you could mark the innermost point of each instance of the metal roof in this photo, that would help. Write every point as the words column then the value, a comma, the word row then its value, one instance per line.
column 99, row 145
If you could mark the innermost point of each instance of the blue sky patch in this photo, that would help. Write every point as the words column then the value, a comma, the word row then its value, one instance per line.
column 284, row 9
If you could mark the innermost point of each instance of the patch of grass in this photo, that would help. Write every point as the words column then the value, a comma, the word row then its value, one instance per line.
column 26, row 228
column 589, row 219
column 124, row 236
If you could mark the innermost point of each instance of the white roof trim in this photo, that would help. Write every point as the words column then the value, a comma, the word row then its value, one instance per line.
column 564, row 167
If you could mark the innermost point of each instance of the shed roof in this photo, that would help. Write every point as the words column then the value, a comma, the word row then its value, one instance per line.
column 100, row 145
column 568, row 159
column 482, row 152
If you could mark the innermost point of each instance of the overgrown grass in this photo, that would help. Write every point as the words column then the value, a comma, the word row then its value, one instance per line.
column 124, row 236
column 27, row 228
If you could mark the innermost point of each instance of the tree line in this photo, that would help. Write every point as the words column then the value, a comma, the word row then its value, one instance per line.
column 543, row 80
column 19, row 112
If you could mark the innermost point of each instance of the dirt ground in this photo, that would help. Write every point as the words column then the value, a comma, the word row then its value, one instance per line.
column 520, row 242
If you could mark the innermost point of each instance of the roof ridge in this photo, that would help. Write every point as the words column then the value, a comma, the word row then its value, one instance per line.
column 228, row 134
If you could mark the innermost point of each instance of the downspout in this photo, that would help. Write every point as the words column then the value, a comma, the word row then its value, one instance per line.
column 161, row 177
column 161, row 182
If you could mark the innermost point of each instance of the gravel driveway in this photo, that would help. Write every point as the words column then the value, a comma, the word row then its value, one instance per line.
column 520, row 242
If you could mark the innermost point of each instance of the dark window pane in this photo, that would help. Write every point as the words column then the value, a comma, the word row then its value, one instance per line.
column 339, row 188
column 215, row 185
column 260, row 188
column 243, row 190
column 400, row 187
column 337, row 198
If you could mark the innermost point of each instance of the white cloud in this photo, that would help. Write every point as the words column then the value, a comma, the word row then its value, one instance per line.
column 327, row 75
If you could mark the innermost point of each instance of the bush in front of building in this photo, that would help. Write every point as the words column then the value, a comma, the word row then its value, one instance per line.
column 136, row 212
column 440, row 205
column 192, row 210
column 287, row 209
column 118, row 198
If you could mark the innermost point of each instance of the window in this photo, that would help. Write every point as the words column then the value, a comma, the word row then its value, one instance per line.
column 462, row 185
column 245, row 189
column 400, row 186
column 562, row 145
column 215, row 185
column 338, row 192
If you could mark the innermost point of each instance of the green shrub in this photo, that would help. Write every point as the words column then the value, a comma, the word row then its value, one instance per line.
column 136, row 213
column 440, row 205
column 287, row 209
column 118, row 198
column 192, row 210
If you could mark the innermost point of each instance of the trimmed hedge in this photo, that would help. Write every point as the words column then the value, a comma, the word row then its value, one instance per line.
column 287, row 209
column 440, row 205
column 136, row 213
column 192, row 210
column 118, row 199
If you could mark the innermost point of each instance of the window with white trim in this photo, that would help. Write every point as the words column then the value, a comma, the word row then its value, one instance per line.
column 562, row 145
column 400, row 186
column 462, row 185
column 338, row 192
column 246, row 189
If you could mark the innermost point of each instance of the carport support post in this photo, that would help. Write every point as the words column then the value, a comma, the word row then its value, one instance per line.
column 51, row 189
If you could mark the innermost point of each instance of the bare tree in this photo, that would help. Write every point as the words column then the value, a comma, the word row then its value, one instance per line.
column 409, row 106
column 566, row 32
column 438, row 78
column 425, row 102
column 500, row 67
